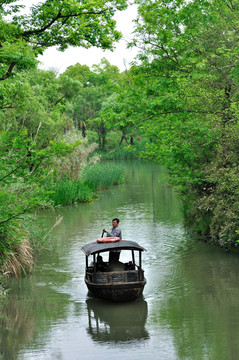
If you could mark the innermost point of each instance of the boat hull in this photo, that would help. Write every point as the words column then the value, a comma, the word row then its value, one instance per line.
column 117, row 285
column 118, row 291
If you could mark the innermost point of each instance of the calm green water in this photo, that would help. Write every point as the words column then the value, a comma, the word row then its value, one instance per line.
column 190, row 307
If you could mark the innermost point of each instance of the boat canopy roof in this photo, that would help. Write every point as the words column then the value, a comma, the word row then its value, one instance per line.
column 95, row 247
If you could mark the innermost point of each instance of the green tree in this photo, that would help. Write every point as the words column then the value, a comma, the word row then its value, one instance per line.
column 23, row 171
column 98, row 84
column 54, row 23
column 184, row 97
column 38, row 100
column 35, row 105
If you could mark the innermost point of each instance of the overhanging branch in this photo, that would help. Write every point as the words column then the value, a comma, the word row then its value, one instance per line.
column 150, row 117
column 60, row 16
column 8, row 73
column 15, row 216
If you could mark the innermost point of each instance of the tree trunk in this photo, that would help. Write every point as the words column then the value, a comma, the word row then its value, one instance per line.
column 101, row 134
column 123, row 137
column 83, row 129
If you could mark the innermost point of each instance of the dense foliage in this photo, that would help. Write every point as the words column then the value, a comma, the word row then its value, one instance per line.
column 36, row 114
column 182, row 96
column 190, row 65
column 53, row 22
column 177, row 105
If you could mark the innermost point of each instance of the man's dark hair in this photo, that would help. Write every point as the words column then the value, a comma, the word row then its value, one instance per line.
column 116, row 220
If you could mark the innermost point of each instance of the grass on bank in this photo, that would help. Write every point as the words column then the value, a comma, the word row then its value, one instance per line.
column 22, row 238
column 67, row 192
column 104, row 175
column 93, row 177
column 121, row 153
column 16, row 252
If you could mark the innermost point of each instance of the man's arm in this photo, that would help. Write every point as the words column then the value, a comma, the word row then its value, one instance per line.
column 115, row 232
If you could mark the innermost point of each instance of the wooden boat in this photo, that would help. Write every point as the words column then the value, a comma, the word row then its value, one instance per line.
column 113, row 279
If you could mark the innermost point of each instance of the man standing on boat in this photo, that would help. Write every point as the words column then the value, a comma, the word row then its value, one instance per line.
column 116, row 231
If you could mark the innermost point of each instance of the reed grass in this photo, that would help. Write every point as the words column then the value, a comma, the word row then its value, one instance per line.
column 19, row 261
column 66, row 192
column 104, row 175
column 71, row 165
column 119, row 154
column 16, row 252
column 20, row 244
column 93, row 177
column 2, row 294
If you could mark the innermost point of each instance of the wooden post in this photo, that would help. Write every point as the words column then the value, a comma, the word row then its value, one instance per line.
column 140, row 259
column 94, row 275
column 140, row 263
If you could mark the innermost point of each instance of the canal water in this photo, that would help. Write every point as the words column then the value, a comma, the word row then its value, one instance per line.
column 190, row 305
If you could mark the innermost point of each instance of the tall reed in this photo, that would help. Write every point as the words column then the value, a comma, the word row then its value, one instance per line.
column 104, row 175
column 66, row 191
column 71, row 165
column 16, row 253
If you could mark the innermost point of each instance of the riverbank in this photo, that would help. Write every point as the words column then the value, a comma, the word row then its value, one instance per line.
column 25, row 237
column 67, row 191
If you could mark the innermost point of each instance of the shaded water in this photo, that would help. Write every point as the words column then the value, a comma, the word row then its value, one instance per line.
column 190, row 306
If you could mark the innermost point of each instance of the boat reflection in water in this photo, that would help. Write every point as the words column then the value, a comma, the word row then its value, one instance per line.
column 117, row 321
